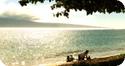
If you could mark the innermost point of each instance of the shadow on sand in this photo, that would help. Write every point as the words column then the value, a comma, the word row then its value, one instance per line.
column 106, row 61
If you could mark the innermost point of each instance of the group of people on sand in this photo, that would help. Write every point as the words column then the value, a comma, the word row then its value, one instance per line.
column 82, row 56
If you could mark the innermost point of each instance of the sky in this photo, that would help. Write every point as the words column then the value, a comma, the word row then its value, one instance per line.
column 42, row 13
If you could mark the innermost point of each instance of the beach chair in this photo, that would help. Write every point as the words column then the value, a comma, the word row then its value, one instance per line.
column 83, row 56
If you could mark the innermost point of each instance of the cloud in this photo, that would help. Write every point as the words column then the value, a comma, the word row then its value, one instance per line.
column 11, row 10
column 9, row 19
column 14, row 16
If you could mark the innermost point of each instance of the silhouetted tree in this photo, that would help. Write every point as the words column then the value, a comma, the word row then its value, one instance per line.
column 90, row 6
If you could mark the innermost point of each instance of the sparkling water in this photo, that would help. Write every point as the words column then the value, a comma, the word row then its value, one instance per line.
column 35, row 46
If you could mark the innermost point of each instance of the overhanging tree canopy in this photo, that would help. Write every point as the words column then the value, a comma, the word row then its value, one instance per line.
column 90, row 6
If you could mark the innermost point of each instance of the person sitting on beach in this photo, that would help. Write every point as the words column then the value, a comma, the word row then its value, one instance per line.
column 70, row 58
column 83, row 56
column 88, row 58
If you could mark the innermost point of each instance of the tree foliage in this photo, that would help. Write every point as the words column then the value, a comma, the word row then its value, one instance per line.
column 90, row 6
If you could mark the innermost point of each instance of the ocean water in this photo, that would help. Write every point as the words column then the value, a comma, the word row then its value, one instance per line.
column 38, row 46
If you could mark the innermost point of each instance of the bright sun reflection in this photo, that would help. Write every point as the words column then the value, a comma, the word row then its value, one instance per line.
column 2, row 64
column 49, row 29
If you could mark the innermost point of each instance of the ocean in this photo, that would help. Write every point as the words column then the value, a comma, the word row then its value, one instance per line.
column 38, row 46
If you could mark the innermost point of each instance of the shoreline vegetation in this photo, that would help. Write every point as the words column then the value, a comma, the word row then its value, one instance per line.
column 105, row 61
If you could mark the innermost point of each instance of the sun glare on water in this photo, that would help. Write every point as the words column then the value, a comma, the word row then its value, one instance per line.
column 2, row 64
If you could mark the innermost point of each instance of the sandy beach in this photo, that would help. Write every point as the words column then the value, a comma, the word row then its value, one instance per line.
column 105, row 61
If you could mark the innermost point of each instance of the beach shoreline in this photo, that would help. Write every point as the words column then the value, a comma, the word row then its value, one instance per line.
column 113, row 60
